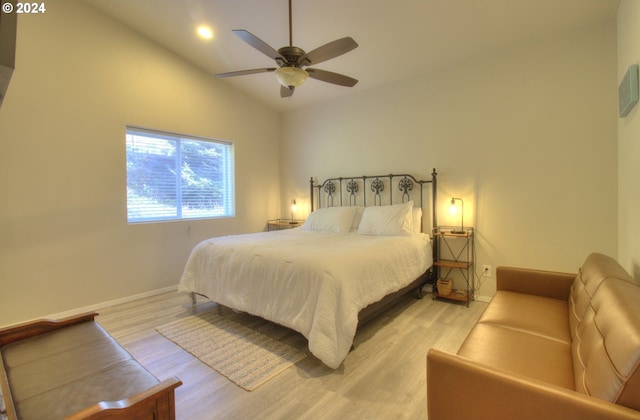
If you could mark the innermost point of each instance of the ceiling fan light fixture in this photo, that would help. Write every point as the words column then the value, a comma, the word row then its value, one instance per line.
column 291, row 76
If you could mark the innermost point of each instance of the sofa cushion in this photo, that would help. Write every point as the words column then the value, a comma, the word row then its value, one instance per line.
column 596, row 269
column 80, row 364
column 543, row 316
column 120, row 381
column 520, row 352
column 607, row 344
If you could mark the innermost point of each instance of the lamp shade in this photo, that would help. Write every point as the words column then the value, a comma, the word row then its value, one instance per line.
column 291, row 76
column 293, row 209
column 452, row 207
column 452, row 210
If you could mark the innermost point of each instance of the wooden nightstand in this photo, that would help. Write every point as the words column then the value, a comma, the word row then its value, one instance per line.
column 279, row 224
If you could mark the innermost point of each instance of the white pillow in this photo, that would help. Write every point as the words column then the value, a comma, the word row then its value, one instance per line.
column 395, row 219
column 357, row 218
column 330, row 219
column 416, row 219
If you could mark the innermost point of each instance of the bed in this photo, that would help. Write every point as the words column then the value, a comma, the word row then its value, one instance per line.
column 361, row 248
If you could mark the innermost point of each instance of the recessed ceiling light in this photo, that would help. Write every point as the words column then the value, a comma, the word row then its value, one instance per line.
column 205, row 32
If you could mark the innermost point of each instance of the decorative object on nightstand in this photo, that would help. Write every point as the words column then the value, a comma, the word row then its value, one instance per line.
column 454, row 253
column 445, row 287
column 280, row 224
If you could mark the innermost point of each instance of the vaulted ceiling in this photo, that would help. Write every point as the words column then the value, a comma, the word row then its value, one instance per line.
column 397, row 39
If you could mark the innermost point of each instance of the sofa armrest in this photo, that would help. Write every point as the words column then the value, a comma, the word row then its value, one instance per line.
column 535, row 282
column 458, row 388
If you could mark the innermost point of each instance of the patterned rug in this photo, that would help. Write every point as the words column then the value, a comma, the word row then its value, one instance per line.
column 244, row 355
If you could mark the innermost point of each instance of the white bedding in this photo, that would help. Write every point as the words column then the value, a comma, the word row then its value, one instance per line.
column 314, row 282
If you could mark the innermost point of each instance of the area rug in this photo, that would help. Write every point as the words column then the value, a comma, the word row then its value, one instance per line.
column 245, row 356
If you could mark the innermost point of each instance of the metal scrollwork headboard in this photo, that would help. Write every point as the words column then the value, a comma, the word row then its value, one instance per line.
column 352, row 189
column 347, row 191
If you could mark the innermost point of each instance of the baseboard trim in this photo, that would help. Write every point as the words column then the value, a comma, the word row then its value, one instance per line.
column 106, row 304
column 486, row 299
column 126, row 299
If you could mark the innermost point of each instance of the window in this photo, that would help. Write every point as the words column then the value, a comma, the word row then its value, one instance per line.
column 175, row 177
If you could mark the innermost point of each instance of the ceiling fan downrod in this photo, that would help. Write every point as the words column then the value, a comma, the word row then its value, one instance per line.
column 290, row 26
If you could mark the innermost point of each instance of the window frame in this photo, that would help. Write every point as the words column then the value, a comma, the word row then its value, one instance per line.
column 227, row 175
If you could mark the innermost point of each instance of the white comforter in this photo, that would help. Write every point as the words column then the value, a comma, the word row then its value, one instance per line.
column 312, row 282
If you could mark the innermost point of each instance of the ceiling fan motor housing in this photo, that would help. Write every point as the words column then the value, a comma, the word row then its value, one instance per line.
column 292, row 55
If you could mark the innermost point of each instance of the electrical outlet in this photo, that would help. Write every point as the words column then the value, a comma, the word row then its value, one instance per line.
column 486, row 270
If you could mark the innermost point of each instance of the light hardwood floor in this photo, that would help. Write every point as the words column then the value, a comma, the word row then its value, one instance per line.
column 383, row 377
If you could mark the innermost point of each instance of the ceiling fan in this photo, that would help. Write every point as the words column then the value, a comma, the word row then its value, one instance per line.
column 292, row 61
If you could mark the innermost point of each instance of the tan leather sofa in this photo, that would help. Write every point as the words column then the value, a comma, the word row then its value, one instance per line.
column 548, row 346
column 74, row 369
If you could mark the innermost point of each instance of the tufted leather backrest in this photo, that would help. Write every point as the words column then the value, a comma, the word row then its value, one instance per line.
column 606, row 345
column 596, row 269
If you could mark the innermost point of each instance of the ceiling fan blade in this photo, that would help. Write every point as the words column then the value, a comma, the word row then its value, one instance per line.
column 259, row 45
column 245, row 72
column 328, row 51
column 286, row 92
column 330, row 77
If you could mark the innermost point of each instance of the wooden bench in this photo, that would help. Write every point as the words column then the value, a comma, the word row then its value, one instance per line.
column 72, row 368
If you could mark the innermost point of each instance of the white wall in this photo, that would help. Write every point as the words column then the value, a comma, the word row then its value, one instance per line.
column 527, row 138
column 629, row 144
column 80, row 78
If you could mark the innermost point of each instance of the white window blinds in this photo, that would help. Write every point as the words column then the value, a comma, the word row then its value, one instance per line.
column 173, row 177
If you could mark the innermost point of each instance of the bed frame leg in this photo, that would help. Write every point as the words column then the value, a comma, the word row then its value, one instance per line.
column 193, row 299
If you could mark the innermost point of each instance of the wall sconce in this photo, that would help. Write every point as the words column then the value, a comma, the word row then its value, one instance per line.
column 453, row 209
column 293, row 209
